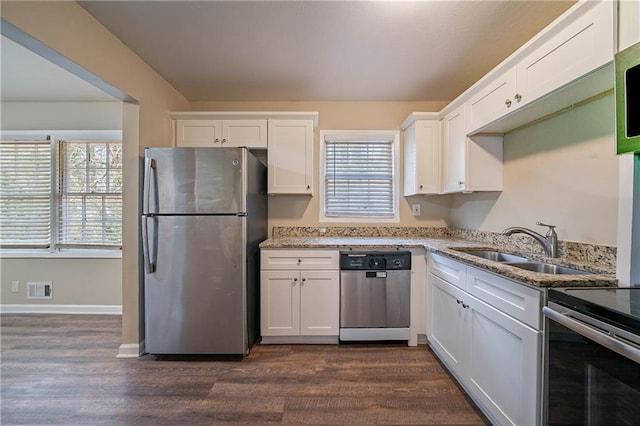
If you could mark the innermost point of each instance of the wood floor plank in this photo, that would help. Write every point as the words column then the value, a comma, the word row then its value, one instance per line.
column 61, row 369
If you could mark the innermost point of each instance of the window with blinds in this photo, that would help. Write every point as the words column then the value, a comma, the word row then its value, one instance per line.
column 89, row 196
column 359, row 178
column 25, row 193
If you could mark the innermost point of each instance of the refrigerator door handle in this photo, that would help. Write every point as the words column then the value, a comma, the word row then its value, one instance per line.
column 149, row 166
column 149, row 265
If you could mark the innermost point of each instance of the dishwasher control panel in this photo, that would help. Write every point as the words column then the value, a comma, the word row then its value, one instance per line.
column 375, row 260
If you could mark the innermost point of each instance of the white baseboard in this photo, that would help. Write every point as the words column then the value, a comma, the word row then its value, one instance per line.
column 128, row 350
column 62, row 309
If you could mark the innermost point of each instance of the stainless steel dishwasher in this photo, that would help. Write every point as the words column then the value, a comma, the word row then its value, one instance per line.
column 375, row 295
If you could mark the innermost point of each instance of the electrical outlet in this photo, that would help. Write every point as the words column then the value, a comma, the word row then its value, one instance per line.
column 15, row 286
column 415, row 209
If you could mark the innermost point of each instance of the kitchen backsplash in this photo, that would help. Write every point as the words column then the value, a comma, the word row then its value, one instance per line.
column 568, row 250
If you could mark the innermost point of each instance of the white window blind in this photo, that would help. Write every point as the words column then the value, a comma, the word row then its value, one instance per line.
column 25, row 193
column 359, row 178
column 89, row 198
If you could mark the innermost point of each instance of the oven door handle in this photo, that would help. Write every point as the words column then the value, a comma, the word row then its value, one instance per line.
column 597, row 336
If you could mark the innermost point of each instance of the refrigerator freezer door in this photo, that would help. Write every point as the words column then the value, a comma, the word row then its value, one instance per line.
column 194, row 181
column 195, row 300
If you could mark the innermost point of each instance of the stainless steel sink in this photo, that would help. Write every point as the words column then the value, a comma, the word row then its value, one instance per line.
column 496, row 256
column 548, row 268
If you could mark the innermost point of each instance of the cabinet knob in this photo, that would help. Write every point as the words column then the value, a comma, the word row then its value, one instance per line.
column 458, row 301
column 224, row 141
column 465, row 306
column 304, row 279
column 507, row 103
column 421, row 186
column 216, row 140
column 299, row 261
column 308, row 187
column 518, row 97
column 295, row 280
column 460, row 182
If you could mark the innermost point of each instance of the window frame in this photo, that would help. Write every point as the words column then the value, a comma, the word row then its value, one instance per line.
column 55, row 137
column 392, row 136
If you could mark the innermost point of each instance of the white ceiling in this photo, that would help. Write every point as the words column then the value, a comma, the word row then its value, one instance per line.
column 297, row 50
column 324, row 50
column 27, row 77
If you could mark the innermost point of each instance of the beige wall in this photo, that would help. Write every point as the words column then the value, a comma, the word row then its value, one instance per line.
column 69, row 30
column 562, row 171
column 75, row 281
column 61, row 116
column 304, row 210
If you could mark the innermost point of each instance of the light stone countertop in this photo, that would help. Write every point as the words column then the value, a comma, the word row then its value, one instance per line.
column 602, row 276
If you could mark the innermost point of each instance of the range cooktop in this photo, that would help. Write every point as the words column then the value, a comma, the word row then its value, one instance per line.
column 616, row 305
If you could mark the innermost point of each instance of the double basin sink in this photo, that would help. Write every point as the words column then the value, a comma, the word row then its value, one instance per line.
column 525, row 263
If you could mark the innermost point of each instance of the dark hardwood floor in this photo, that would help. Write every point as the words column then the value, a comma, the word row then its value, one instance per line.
column 62, row 369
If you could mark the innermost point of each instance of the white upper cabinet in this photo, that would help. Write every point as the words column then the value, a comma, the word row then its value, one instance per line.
column 229, row 128
column 497, row 98
column 568, row 62
column 469, row 164
column 249, row 133
column 454, row 155
column 422, row 146
column 577, row 47
column 290, row 157
column 221, row 133
column 198, row 133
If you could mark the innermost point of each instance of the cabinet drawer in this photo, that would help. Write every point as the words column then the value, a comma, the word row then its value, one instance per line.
column 448, row 269
column 299, row 259
column 517, row 300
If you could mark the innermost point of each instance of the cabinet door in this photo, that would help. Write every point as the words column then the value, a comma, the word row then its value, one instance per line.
column 498, row 98
column 454, row 141
column 446, row 323
column 198, row 133
column 249, row 133
column 503, row 364
column 319, row 303
column 422, row 158
column 290, row 157
column 572, row 50
column 280, row 303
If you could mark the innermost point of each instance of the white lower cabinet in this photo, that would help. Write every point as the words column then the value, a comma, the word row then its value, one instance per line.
column 496, row 357
column 299, row 305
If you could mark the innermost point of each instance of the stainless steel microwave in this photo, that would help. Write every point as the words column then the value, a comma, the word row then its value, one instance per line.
column 627, row 64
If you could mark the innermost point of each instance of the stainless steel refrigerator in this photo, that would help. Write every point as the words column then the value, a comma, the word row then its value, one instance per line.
column 204, row 214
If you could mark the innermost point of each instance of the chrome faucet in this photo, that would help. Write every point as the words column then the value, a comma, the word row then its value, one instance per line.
column 549, row 242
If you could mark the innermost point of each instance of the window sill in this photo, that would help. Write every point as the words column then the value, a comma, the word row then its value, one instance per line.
column 328, row 219
column 61, row 254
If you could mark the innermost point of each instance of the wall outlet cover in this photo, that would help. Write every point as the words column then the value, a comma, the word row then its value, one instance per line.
column 415, row 209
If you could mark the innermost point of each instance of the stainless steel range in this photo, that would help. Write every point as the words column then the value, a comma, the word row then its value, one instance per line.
column 592, row 356
column 375, row 295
